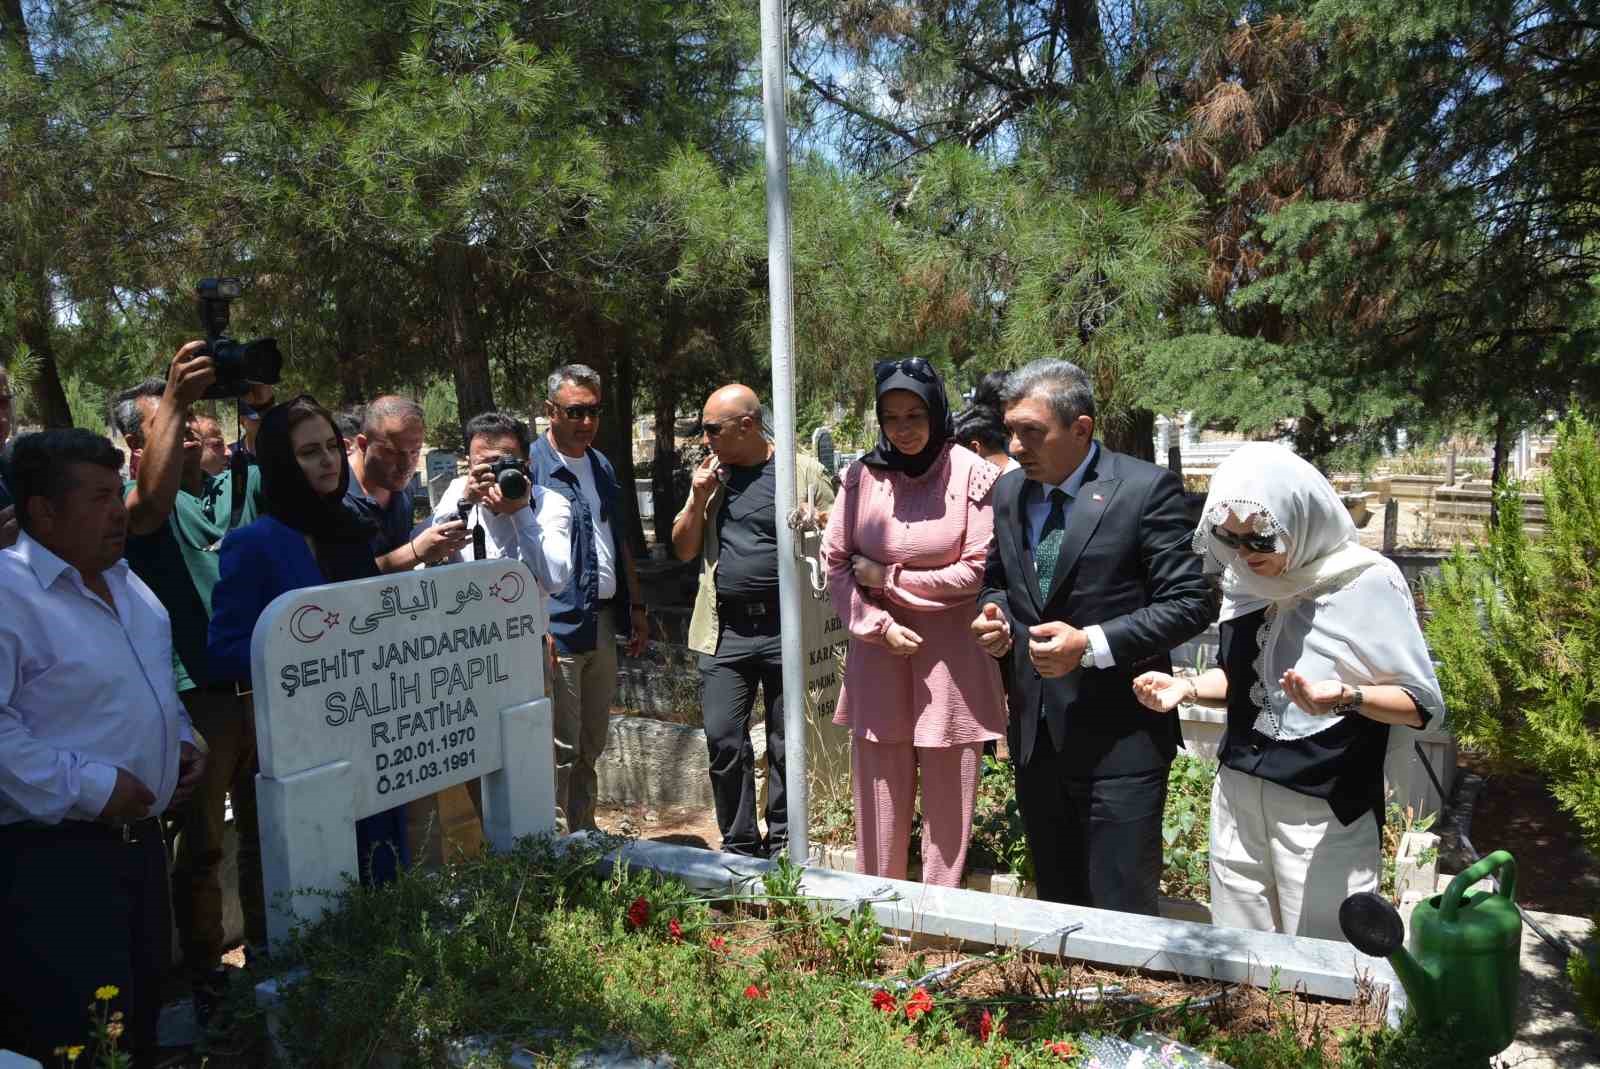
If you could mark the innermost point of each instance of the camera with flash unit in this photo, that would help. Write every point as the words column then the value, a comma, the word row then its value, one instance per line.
column 239, row 365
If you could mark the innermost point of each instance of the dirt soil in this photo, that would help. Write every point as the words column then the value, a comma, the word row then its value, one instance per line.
column 1516, row 812
column 678, row 826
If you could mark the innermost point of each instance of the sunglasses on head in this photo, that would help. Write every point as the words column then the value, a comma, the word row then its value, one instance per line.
column 914, row 367
column 580, row 411
column 1246, row 543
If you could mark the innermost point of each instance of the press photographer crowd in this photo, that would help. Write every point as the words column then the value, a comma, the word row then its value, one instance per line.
column 1000, row 573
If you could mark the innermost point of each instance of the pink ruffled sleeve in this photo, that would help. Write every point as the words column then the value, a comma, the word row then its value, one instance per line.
column 866, row 620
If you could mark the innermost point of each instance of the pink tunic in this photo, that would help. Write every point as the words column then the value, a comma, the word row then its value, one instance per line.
column 933, row 532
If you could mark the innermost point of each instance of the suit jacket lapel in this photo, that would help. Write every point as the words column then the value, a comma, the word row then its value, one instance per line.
column 1087, row 510
column 1022, row 542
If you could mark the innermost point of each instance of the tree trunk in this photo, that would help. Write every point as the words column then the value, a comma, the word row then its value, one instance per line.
column 352, row 383
column 663, row 479
column 664, row 467
column 49, row 403
column 620, row 416
column 1502, row 448
column 463, row 335
column 1133, row 434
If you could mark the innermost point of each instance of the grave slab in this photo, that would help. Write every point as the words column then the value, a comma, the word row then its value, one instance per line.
column 1317, row 966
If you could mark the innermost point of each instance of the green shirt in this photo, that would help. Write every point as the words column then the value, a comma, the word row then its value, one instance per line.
column 179, row 559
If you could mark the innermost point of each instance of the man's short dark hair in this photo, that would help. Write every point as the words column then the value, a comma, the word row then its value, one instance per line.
column 125, row 414
column 496, row 425
column 41, row 465
column 982, row 424
column 390, row 407
column 348, row 420
column 1063, row 385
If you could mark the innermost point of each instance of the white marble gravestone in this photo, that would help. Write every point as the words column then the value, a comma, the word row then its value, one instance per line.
column 374, row 693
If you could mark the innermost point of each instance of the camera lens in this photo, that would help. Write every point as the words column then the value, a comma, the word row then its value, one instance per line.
column 513, row 484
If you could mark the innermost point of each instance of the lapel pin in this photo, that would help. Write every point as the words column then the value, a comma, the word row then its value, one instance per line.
column 1097, row 497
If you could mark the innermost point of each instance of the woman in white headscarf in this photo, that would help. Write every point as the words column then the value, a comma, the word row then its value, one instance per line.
column 1320, row 656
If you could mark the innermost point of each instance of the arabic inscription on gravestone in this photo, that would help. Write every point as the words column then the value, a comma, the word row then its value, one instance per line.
column 404, row 676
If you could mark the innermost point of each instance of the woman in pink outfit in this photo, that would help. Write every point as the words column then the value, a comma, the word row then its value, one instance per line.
column 905, row 551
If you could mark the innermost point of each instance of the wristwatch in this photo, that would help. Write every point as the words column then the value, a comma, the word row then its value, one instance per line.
column 1352, row 705
column 1088, row 658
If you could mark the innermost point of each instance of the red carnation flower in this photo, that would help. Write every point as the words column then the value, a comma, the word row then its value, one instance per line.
column 985, row 1027
column 919, row 1003
column 719, row 944
column 754, row 992
column 1062, row 1048
column 675, row 930
column 639, row 913
column 883, row 1002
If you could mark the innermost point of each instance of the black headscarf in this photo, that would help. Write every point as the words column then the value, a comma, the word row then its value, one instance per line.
column 917, row 376
column 289, row 498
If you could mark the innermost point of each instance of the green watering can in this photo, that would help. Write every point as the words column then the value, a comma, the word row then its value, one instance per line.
column 1463, row 962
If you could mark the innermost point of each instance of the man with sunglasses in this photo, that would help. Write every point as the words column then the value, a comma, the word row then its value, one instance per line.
column 1091, row 580
column 730, row 522
column 602, row 600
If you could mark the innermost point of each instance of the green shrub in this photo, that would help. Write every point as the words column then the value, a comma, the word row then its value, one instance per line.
column 1583, row 968
column 1516, row 630
column 1186, row 829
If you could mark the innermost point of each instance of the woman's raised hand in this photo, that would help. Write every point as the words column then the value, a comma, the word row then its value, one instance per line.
column 1318, row 699
column 1161, row 692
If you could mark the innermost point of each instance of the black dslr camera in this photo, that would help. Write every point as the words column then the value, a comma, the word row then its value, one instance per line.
column 240, row 365
column 510, row 474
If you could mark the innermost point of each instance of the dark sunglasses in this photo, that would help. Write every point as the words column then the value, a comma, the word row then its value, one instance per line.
column 914, row 367
column 712, row 428
column 1246, row 543
column 580, row 411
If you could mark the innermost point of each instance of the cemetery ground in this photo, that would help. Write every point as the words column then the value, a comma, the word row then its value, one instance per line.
column 547, row 953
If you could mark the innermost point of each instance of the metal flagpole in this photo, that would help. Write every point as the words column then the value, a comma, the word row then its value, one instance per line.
column 774, row 32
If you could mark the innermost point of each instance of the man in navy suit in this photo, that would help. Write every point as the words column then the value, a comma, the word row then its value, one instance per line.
column 1091, row 580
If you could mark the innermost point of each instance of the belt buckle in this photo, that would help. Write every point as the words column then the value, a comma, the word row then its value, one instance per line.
column 127, row 833
column 241, row 691
column 754, row 609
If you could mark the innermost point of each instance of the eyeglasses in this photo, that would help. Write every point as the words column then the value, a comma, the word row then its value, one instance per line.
column 712, row 428
column 1245, row 543
column 579, row 412
column 914, row 367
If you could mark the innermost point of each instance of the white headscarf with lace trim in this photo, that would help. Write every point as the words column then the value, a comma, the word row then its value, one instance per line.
column 1337, row 611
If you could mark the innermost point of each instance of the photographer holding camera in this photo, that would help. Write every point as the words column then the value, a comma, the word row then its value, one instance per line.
column 520, row 521
column 177, row 516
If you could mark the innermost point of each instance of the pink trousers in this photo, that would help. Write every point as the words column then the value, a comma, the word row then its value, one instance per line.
column 884, row 776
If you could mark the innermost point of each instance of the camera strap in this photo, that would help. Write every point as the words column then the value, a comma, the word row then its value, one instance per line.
column 239, row 473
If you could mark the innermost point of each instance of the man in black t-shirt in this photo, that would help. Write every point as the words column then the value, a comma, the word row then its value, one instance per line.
column 730, row 522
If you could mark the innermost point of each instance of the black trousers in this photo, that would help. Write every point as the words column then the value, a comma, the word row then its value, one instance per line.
column 81, row 909
column 1095, row 840
column 748, row 655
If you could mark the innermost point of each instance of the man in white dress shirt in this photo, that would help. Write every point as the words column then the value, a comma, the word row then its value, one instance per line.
column 94, row 746
column 535, row 528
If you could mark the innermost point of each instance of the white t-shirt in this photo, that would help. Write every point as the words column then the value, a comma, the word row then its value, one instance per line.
column 605, row 548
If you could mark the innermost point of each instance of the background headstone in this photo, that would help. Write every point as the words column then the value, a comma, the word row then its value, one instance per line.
column 822, row 446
